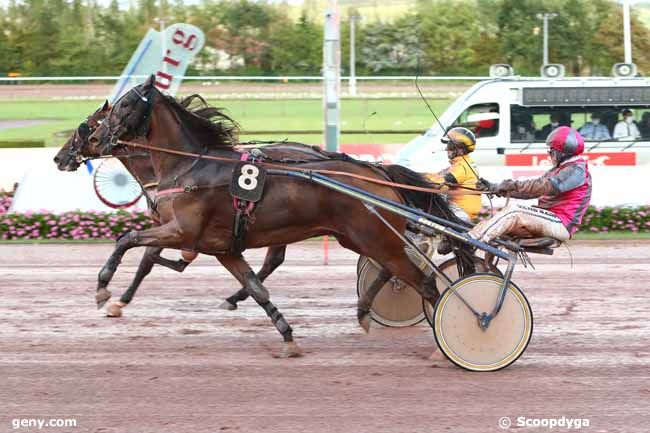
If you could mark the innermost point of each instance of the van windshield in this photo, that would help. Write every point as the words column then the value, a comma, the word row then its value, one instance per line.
column 602, row 123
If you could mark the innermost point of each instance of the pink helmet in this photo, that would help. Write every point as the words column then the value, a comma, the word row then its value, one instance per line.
column 566, row 141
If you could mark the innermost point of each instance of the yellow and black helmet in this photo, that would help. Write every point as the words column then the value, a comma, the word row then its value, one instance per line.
column 461, row 139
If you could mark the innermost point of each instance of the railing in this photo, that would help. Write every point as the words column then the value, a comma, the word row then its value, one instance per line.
column 249, row 78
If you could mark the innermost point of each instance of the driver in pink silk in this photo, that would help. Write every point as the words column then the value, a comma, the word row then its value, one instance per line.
column 564, row 194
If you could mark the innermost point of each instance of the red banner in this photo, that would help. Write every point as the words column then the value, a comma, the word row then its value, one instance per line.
column 595, row 159
column 372, row 152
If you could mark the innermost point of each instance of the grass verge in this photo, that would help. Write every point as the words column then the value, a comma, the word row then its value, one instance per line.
column 283, row 115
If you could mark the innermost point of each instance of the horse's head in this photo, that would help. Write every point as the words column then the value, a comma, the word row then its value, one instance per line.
column 128, row 118
column 76, row 149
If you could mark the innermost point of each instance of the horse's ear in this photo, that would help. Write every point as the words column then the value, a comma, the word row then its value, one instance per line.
column 106, row 106
column 149, row 83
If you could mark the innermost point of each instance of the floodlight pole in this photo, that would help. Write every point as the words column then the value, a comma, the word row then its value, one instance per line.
column 332, row 77
column 627, row 36
column 545, row 17
column 353, row 77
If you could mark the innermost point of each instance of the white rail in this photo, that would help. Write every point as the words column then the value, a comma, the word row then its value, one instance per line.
column 250, row 78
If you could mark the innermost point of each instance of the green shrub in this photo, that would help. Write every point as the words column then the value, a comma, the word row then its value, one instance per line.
column 4, row 144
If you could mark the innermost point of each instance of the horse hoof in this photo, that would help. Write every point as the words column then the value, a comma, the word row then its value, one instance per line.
column 225, row 305
column 188, row 256
column 101, row 297
column 115, row 309
column 437, row 356
column 291, row 350
column 364, row 322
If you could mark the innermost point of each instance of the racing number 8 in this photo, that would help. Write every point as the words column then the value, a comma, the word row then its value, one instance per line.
column 248, row 178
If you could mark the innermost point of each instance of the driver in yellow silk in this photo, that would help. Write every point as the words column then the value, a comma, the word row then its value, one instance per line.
column 461, row 172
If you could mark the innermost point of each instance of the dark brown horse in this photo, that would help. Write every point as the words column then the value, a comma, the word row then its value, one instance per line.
column 139, row 164
column 195, row 205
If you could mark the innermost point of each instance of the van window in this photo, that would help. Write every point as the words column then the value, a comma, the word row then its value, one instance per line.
column 530, row 124
column 481, row 119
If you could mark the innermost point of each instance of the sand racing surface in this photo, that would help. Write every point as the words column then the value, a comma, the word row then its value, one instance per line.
column 175, row 363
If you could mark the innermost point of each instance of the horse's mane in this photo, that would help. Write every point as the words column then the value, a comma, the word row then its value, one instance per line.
column 212, row 127
column 422, row 200
column 435, row 204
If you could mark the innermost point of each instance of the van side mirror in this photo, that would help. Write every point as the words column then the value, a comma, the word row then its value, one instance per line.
column 501, row 150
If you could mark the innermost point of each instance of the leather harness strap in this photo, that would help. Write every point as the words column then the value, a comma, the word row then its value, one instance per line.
column 467, row 190
column 243, row 215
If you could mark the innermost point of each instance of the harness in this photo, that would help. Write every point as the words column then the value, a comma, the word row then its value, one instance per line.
column 243, row 215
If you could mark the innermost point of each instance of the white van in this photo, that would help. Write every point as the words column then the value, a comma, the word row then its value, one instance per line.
column 511, row 118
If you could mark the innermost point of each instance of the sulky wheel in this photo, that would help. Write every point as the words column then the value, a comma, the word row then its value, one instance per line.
column 397, row 304
column 449, row 268
column 457, row 329
column 115, row 186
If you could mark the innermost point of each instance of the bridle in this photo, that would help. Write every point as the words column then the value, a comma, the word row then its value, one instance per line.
column 77, row 149
column 80, row 140
column 114, row 133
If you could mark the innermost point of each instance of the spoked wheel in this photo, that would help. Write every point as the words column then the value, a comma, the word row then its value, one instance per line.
column 397, row 304
column 115, row 186
column 464, row 342
column 450, row 269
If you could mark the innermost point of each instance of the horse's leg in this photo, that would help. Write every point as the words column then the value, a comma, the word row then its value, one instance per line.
column 146, row 263
column 389, row 251
column 165, row 236
column 365, row 301
column 245, row 275
column 402, row 267
column 150, row 257
column 274, row 258
column 175, row 265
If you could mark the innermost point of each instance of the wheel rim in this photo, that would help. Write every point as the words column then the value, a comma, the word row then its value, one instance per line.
column 396, row 305
column 461, row 339
column 114, row 185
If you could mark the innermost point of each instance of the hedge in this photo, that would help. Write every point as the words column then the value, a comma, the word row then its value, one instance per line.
column 110, row 225
column 5, row 144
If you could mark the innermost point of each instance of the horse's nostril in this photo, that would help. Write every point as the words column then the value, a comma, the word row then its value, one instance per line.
column 56, row 160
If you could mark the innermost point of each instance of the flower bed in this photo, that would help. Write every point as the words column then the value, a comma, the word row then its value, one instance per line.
column 5, row 201
column 69, row 225
column 110, row 225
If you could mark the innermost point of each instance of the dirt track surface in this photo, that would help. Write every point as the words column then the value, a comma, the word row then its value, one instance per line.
column 176, row 363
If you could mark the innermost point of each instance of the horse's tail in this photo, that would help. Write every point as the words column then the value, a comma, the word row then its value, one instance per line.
column 428, row 202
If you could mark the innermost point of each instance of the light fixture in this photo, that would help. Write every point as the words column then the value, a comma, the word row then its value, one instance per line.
column 552, row 70
column 501, row 70
column 624, row 70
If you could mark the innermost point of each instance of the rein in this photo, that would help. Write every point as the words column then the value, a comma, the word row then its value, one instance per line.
column 469, row 191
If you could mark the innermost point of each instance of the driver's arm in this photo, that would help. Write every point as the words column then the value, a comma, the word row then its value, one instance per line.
column 570, row 177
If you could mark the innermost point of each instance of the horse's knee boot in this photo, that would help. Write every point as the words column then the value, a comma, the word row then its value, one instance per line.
column 105, row 275
column 279, row 321
column 255, row 288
